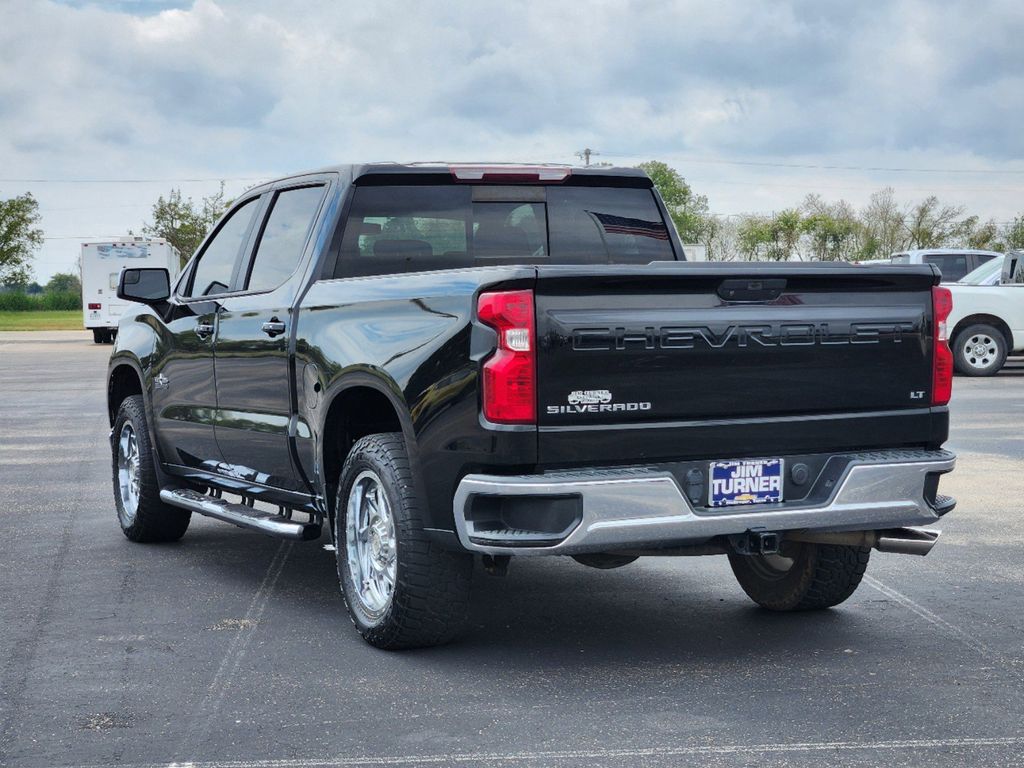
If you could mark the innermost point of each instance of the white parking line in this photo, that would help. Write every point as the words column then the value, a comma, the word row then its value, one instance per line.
column 937, row 621
column 205, row 714
column 597, row 754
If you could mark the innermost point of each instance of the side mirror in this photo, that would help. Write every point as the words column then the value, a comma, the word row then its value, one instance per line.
column 151, row 285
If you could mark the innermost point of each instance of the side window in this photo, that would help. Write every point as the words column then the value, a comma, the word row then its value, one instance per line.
column 212, row 273
column 284, row 236
column 953, row 266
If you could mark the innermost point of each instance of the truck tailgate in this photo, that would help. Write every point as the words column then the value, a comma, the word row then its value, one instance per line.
column 662, row 349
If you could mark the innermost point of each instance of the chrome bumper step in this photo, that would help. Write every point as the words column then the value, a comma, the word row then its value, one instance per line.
column 241, row 515
column 883, row 492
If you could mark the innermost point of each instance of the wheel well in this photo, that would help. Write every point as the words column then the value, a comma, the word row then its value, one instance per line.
column 124, row 382
column 354, row 413
column 992, row 320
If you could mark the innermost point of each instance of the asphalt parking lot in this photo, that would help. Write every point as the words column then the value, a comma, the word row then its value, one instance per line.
column 231, row 649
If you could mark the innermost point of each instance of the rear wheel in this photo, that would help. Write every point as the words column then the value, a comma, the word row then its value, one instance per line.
column 979, row 350
column 402, row 590
column 803, row 577
column 98, row 336
column 140, row 511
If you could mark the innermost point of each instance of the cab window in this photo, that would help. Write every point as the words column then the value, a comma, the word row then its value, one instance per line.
column 284, row 237
column 216, row 264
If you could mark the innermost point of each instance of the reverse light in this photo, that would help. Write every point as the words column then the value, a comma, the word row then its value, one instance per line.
column 942, row 357
column 95, row 306
column 511, row 174
column 509, row 390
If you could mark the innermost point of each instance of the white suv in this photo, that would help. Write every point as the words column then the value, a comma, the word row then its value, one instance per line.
column 987, row 321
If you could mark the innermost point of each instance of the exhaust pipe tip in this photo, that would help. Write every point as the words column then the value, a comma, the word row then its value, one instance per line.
column 907, row 541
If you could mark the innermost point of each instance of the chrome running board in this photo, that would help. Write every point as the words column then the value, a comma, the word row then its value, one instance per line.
column 241, row 515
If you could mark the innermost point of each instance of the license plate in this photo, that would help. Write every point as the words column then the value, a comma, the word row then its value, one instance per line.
column 750, row 481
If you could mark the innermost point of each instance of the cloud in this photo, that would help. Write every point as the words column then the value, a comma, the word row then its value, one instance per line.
column 254, row 87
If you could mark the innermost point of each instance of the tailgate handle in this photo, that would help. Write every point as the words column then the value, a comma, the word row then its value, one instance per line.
column 744, row 289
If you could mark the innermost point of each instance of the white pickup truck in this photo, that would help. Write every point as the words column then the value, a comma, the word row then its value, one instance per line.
column 987, row 321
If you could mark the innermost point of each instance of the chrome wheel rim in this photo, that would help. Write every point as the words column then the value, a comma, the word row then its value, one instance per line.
column 980, row 351
column 370, row 542
column 128, row 479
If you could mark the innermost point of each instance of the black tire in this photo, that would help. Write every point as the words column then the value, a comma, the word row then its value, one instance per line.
column 820, row 576
column 97, row 336
column 430, row 594
column 152, row 520
column 979, row 350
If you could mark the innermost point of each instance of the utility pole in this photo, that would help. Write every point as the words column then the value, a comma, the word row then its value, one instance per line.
column 586, row 154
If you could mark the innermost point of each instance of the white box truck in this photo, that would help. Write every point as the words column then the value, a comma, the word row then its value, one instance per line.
column 102, row 263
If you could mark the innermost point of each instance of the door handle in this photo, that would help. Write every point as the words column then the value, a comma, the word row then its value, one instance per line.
column 204, row 330
column 273, row 327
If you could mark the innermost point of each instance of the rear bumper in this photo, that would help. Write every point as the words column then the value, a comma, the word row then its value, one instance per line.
column 645, row 507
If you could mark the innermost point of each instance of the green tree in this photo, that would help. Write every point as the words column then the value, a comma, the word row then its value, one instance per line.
column 689, row 211
column 718, row 237
column 770, row 238
column 882, row 226
column 182, row 222
column 832, row 229
column 1013, row 233
column 754, row 238
column 19, row 238
column 930, row 224
column 787, row 227
column 64, row 282
column 980, row 234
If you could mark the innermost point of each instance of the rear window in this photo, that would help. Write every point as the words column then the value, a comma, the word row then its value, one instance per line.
column 418, row 228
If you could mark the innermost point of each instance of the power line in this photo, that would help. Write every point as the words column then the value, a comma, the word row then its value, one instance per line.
column 82, row 237
column 131, row 181
column 820, row 167
column 813, row 187
column 96, row 207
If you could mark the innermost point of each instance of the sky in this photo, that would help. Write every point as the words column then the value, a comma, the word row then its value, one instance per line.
column 104, row 106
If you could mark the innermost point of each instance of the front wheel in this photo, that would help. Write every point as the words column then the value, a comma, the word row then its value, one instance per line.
column 140, row 511
column 979, row 350
column 802, row 577
column 402, row 590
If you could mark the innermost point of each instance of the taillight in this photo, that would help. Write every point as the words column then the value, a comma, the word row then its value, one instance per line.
column 510, row 374
column 942, row 358
column 511, row 174
column 95, row 306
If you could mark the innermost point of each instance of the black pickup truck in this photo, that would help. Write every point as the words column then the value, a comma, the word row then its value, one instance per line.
column 449, row 362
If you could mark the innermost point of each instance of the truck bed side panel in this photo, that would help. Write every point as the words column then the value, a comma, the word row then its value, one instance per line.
column 408, row 335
